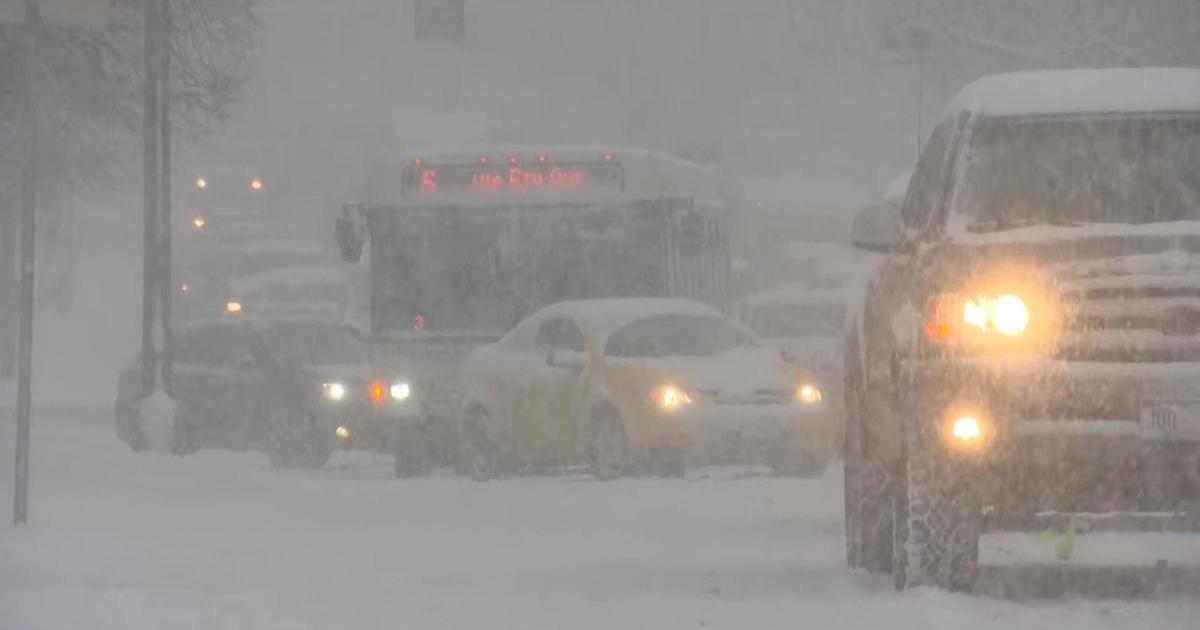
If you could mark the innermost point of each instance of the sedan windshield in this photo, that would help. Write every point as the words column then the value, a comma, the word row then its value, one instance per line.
column 781, row 321
column 1108, row 169
column 675, row 336
column 314, row 343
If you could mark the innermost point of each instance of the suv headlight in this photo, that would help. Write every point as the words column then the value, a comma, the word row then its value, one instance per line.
column 951, row 315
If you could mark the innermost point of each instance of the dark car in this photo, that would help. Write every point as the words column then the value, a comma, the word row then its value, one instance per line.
column 1028, row 357
column 297, row 389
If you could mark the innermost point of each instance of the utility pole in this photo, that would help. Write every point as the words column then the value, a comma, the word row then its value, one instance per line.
column 150, row 189
column 164, row 186
column 29, row 118
column 8, row 294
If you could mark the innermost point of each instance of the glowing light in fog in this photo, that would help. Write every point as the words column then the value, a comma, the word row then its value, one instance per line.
column 1009, row 315
column 966, row 429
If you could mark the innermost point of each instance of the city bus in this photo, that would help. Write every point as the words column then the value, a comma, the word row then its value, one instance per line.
column 460, row 245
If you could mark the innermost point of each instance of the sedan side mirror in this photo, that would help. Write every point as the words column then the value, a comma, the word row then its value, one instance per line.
column 567, row 359
column 878, row 229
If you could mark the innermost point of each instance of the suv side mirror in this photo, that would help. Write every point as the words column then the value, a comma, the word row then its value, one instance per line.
column 878, row 229
column 567, row 359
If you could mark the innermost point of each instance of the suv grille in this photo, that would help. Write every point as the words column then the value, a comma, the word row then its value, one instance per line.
column 1137, row 309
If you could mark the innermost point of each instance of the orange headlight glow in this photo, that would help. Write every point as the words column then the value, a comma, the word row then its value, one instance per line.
column 670, row 397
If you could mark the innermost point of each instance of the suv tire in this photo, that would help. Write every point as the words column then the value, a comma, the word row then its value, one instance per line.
column 868, row 503
column 936, row 524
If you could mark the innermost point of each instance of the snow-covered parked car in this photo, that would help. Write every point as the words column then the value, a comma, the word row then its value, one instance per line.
column 621, row 384
column 1028, row 357
column 296, row 389
column 303, row 292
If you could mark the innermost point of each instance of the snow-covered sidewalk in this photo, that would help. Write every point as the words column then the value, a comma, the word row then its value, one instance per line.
column 219, row 540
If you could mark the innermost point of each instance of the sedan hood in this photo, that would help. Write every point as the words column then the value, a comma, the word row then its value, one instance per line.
column 742, row 373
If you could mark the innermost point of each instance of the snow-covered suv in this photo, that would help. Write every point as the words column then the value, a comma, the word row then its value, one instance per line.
column 1029, row 354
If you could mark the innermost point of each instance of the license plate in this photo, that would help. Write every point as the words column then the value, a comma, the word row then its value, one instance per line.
column 1171, row 422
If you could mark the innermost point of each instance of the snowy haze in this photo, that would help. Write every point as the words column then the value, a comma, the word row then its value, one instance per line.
column 812, row 108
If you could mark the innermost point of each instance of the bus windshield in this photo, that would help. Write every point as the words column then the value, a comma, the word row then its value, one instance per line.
column 450, row 268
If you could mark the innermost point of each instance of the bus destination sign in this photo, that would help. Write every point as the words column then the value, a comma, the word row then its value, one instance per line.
column 484, row 178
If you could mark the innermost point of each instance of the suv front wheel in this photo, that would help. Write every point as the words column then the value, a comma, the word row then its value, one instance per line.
column 867, row 483
column 936, row 522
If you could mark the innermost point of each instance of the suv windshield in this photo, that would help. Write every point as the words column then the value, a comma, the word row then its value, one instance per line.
column 1066, row 171
column 675, row 336
column 314, row 343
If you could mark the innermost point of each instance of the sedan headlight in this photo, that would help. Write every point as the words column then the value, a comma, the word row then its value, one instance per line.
column 669, row 397
column 808, row 394
column 334, row 391
column 400, row 391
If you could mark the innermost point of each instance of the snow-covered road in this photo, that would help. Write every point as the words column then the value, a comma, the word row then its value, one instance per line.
column 219, row 540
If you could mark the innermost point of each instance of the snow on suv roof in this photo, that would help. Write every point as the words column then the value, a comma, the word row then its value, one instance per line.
column 1050, row 92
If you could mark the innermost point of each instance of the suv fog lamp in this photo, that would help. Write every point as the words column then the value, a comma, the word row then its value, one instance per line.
column 342, row 432
column 966, row 429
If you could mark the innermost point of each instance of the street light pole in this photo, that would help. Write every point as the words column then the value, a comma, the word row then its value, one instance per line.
column 33, row 27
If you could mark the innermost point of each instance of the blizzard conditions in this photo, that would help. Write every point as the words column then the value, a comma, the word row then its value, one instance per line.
column 609, row 314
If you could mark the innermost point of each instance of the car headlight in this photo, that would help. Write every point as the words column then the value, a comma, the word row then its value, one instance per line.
column 669, row 397
column 951, row 316
column 808, row 394
column 967, row 430
column 334, row 391
column 400, row 391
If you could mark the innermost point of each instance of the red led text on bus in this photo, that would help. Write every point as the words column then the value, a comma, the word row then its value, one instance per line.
column 517, row 178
